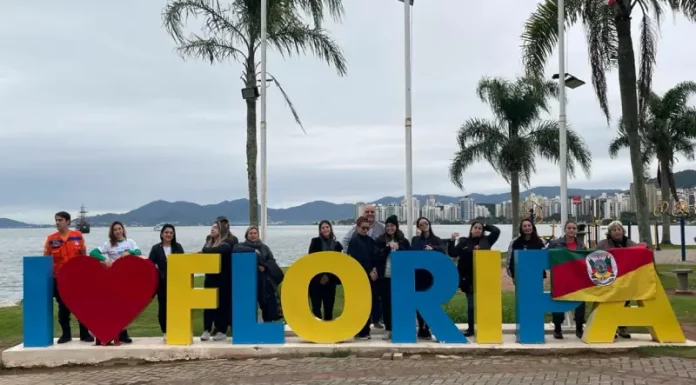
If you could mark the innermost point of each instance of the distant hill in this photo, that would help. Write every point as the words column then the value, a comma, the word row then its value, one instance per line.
column 682, row 179
column 12, row 224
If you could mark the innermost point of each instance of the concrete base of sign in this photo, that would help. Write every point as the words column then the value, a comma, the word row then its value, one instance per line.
column 507, row 329
column 153, row 349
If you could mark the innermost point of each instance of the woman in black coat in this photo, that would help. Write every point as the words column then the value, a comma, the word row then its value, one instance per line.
column 392, row 240
column 158, row 255
column 322, row 288
column 477, row 240
column 428, row 241
column 362, row 248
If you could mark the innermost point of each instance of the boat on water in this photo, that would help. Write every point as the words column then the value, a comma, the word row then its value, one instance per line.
column 83, row 225
column 158, row 227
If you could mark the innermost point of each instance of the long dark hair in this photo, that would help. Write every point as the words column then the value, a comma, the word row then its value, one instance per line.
column 168, row 226
column 430, row 226
column 533, row 236
column 112, row 237
column 474, row 223
column 331, row 235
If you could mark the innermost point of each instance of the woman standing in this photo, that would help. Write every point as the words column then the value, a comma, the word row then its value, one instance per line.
column 220, row 241
column 571, row 242
column 322, row 288
column 428, row 241
column 269, row 276
column 159, row 255
column 362, row 247
column 393, row 239
column 464, row 250
column 616, row 238
column 118, row 246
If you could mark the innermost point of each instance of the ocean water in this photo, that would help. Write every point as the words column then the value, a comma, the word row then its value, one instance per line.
column 287, row 243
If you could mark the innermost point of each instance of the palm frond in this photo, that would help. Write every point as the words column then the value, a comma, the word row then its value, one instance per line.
column 676, row 98
column 317, row 8
column 289, row 103
column 547, row 144
column 297, row 37
column 686, row 7
column 602, row 47
column 617, row 144
column 477, row 139
column 210, row 49
column 176, row 14
column 648, row 59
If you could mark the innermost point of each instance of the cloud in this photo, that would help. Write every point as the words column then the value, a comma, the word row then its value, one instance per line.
column 97, row 108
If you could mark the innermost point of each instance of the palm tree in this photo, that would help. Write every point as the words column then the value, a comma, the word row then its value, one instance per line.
column 668, row 129
column 511, row 142
column 610, row 45
column 233, row 32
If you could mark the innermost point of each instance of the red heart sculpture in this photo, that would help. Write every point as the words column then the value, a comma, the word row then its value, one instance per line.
column 105, row 299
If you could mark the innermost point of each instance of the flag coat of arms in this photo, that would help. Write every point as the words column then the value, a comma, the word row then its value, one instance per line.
column 613, row 275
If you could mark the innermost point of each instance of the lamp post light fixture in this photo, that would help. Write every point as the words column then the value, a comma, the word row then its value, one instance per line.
column 570, row 81
column 250, row 93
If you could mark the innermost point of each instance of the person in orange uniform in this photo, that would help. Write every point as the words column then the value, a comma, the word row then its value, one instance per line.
column 64, row 245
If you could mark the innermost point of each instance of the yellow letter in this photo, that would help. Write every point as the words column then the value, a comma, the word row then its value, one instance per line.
column 357, row 297
column 488, row 298
column 657, row 314
column 183, row 297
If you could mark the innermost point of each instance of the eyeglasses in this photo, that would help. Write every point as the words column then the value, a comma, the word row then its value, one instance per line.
column 364, row 227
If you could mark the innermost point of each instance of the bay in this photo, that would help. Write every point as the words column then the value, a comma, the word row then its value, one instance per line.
column 287, row 243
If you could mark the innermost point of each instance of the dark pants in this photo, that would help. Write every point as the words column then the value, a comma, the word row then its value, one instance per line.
column 365, row 331
column 211, row 281
column 64, row 316
column 162, row 304
column 223, row 313
column 376, row 313
column 558, row 318
column 384, row 289
column 470, row 309
column 322, row 295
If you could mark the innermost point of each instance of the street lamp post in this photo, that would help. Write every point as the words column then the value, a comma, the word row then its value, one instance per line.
column 264, row 83
column 407, row 120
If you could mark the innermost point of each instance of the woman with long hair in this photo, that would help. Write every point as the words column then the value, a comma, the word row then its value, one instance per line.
column 464, row 250
column 569, row 241
column 427, row 241
column 362, row 247
column 220, row 241
column 393, row 239
column 158, row 255
column 269, row 275
column 322, row 288
column 118, row 246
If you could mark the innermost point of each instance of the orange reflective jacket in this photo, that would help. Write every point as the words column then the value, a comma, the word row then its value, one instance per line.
column 63, row 248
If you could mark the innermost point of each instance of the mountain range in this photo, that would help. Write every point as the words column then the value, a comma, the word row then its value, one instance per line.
column 237, row 211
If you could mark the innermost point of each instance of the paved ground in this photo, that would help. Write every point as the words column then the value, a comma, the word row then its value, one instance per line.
column 339, row 371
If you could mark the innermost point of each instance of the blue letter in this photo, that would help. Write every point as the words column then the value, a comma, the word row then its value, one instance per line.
column 531, row 301
column 37, row 308
column 406, row 300
column 245, row 328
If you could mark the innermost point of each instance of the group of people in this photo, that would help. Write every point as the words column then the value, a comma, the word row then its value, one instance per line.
column 369, row 242
column 66, row 244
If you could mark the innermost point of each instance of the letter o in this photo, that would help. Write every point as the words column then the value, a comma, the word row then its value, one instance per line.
column 357, row 297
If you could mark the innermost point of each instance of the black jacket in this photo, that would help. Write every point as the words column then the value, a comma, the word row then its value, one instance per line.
column 465, row 248
column 315, row 246
column 520, row 243
column 423, row 277
column 224, row 279
column 383, row 250
column 362, row 248
column 159, row 258
column 264, row 258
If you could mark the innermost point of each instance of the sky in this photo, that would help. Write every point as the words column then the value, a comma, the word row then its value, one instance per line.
column 97, row 108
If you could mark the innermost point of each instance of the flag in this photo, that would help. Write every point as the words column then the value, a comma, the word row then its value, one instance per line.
column 612, row 275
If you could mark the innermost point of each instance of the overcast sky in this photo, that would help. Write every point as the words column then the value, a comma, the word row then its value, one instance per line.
column 97, row 108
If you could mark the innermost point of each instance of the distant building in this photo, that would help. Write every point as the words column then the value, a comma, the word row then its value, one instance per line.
column 468, row 208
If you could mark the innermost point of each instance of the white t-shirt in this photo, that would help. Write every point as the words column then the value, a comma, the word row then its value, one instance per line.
column 114, row 252
column 167, row 250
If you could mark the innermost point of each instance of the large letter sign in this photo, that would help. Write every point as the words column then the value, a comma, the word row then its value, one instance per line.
column 531, row 302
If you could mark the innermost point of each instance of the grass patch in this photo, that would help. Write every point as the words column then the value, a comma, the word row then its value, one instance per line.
column 671, row 246
column 146, row 324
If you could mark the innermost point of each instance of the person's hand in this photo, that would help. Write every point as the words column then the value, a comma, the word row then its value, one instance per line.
column 394, row 245
column 107, row 263
column 427, row 247
column 261, row 268
column 324, row 279
column 373, row 275
column 455, row 235
column 476, row 247
column 257, row 252
column 125, row 254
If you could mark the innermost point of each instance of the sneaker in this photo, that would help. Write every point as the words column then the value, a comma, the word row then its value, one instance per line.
column 579, row 332
column 64, row 338
column 205, row 336
column 387, row 335
column 87, row 338
column 363, row 337
column 378, row 325
column 469, row 333
column 623, row 333
column 219, row 336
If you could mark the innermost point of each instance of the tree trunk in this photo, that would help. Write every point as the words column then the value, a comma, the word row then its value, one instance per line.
column 515, row 197
column 251, row 145
column 629, row 110
column 664, row 188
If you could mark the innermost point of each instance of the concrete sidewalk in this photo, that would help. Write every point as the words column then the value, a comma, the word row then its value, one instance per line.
column 409, row 370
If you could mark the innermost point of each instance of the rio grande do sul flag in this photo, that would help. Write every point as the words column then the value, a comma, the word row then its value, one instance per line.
column 612, row 275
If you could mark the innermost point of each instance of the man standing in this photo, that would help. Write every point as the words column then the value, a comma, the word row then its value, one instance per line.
column 64, row 245
column 376, row 230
